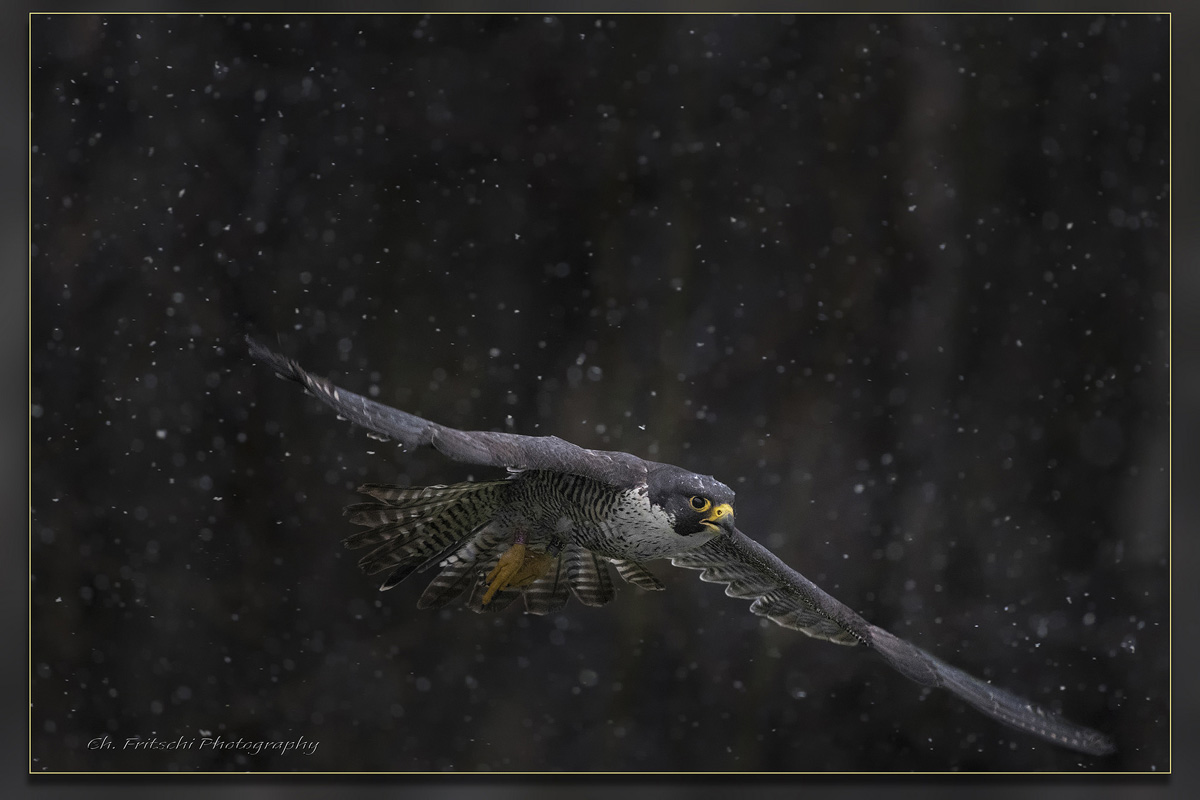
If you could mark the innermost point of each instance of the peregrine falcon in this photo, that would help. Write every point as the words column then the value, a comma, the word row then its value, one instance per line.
column 565, row 513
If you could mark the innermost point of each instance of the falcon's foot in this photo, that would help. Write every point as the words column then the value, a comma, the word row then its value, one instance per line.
column 516, row 568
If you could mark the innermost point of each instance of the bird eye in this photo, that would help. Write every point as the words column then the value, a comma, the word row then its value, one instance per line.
column 701, row 503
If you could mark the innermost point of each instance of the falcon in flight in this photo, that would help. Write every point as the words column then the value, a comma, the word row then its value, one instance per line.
column 565, row 513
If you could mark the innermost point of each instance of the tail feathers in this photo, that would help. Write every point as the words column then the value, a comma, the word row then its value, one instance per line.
column 376, row 514
column 639, row 576
column 584, row 574
column 500, row 600
column 399, row 534
column 384, row 532
column 409, row 496
column 428, row 544
column 398, row 575
column 400, row 506
column 588, row 576
column 451, row 582
column 461, row 571
column 550, row 592
column 412, row 528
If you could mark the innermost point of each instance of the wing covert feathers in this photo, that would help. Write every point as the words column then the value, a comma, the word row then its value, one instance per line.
column 485, row 448
column 751, row 571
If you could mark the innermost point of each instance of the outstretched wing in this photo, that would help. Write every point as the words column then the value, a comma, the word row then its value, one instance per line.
column 786, row 597
column 485, row 448
column 752, row 572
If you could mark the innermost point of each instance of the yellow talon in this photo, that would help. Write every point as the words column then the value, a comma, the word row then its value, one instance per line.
column 534, row 567
column 504, row 570
column 516, row 568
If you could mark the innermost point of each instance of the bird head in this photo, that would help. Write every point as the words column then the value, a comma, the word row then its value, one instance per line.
column 696, row 504
column 703, row 514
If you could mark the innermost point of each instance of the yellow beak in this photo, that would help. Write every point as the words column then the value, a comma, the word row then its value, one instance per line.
column 718, row 515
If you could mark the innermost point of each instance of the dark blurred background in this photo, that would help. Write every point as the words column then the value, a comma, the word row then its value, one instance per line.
column 902, row 282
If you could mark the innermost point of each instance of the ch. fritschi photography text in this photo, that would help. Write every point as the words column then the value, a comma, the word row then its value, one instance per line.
column 205, row 743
